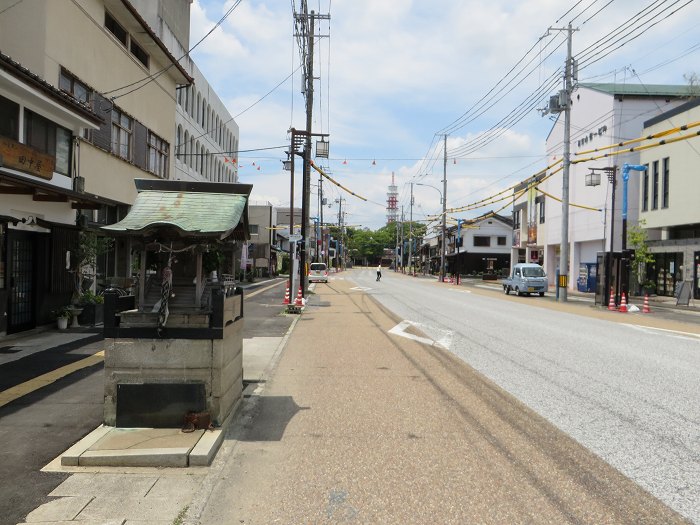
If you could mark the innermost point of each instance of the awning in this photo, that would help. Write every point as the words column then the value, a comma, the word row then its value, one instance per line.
column 177, row 210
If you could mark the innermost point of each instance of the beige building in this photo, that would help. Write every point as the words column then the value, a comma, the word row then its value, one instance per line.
column 87, row 104
column 668, row 201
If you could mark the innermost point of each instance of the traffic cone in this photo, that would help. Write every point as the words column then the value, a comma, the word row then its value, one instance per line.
column 645, row 308
column 611, row 304
column 300, row 300
column 623, row 304
column 286, row 295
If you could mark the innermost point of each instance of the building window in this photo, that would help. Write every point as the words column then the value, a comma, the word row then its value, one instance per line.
column 645, row 188
column 118, row 31
column 138, row 52
column 482, row 241
column 666, row 168
column 9, row 119
column 542, row 216
column 74, row 87
column 122, row 127
column 157, row 155
column 47, row 137
column 253, row 229
column 655, row 186
column 501, row 241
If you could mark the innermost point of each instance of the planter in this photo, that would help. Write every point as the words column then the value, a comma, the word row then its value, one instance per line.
column 62, row 323
column 93, row 314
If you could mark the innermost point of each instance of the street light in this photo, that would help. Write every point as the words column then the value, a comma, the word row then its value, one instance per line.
column 611, row 171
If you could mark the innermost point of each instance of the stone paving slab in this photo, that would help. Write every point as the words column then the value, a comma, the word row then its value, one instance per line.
column 61, row 509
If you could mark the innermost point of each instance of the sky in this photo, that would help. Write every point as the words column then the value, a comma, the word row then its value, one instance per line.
column 393, row 76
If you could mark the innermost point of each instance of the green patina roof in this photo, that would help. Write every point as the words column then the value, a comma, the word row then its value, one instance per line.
column 199, row 214
column 643, row 89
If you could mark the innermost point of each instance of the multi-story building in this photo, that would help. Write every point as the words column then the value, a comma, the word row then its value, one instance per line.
column 668, row 201
column 206, row 137
column 87, row 104
column 602, row 115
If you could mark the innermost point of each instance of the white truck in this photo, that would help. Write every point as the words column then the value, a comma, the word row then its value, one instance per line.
column 526, row 278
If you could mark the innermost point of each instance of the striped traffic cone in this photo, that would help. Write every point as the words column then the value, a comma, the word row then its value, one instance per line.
column 645, row 308
column 300, row 300
column 611, row 304
column 623, row 304
column 286, row 295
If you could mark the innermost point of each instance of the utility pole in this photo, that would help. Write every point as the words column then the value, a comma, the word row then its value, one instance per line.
column 402, row 217
column 320, row 246
column 410, row 235
column 564, row 106
column 306, row 32
column 444, row 210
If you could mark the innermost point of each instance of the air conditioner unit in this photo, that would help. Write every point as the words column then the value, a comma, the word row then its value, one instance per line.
column 79, row 184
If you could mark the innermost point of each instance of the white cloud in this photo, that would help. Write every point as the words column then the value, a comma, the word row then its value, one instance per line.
column 394, row 72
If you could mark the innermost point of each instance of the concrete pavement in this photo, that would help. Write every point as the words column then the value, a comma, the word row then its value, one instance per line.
column 348, row 423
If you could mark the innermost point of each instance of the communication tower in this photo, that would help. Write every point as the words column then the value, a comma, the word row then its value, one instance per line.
column 392, row 206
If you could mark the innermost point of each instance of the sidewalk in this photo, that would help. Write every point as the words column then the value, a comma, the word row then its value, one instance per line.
column 352, row 424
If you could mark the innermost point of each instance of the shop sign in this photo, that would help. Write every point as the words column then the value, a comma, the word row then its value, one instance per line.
column 23, row 158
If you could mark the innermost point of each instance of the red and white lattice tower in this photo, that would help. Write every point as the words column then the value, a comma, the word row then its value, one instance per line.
column 392, row 202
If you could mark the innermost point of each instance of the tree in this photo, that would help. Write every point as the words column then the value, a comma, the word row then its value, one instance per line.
column 84, row 258
column 637, row 239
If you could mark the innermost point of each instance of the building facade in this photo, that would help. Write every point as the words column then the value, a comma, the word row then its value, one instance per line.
column 668, row 202
column 602, row 115
column 88, row 93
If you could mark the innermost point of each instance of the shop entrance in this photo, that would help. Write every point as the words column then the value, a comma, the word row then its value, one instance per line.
column 21, row 278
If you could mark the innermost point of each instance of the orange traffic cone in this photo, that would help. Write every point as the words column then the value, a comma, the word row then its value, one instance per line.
column 611, row 304
column 286, row 295
column 299, row 301
column 623, row 304
column 645, row 308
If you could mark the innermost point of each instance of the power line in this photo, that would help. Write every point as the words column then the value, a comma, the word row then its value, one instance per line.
column 150, row 78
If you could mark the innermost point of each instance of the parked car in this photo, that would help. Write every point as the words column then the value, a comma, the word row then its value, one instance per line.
column 318, row 273
column 526, row 278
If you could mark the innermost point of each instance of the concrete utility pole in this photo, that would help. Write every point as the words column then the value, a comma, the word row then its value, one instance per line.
column 565, row 100
column 402, row 217
column 410, row 235
column 444, row 211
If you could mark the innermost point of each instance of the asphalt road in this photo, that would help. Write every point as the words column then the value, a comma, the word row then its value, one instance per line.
column 39, row 426
column 626, row 392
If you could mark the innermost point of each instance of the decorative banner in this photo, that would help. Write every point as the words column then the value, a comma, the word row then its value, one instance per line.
column 244, row 256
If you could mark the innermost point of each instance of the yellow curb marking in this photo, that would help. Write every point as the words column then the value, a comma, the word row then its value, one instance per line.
column 9, row 395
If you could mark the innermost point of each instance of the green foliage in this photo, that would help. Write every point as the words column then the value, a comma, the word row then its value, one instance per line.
column 90, row 297
column 212, row 259
column 63, row 312
column 84, row 258
column 637, row 238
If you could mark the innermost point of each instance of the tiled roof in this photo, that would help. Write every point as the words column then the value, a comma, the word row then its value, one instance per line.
column 18, row 70
column 658, row 90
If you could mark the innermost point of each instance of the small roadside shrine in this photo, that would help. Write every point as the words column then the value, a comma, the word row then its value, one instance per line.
column 176, row 346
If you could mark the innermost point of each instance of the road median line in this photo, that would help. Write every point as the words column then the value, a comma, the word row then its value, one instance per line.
column 11, row 394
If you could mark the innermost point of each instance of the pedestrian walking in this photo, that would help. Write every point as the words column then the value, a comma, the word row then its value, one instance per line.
column 379, row 272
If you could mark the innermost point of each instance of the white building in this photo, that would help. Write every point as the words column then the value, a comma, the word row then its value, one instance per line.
column 602, row 115
column 206, row 136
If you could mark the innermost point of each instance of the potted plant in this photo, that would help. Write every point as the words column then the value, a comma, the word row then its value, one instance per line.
column 62, row 316
column 93, row 308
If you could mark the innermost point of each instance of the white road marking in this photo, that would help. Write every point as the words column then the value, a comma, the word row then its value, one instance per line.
column 361, row 288
column 459, row 291
column 400, row 330
column 684, row 335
